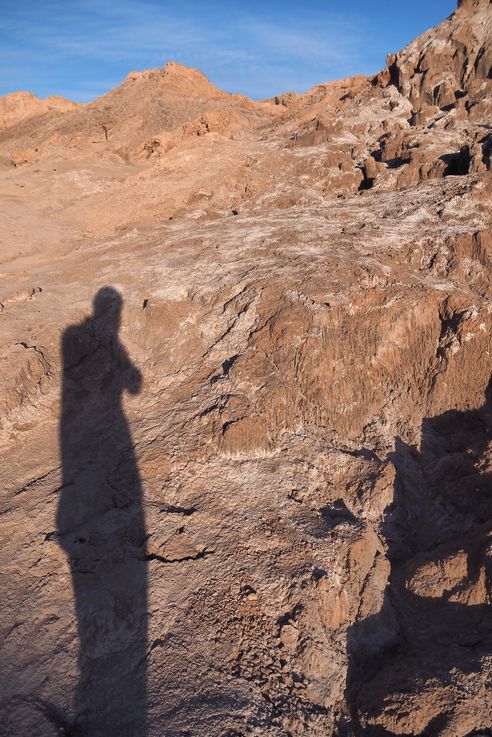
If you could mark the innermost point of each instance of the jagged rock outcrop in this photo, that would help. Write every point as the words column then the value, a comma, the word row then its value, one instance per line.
column 245, row 405
column 448, row 64
column 21, row 105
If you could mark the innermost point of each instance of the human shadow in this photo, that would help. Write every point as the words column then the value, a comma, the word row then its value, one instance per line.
column 101, row 526
column 424, row 651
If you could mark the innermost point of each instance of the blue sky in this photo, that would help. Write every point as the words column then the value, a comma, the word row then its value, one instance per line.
column 82, row 48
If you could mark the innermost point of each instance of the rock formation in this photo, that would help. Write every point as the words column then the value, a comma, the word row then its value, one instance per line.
column 246, row 410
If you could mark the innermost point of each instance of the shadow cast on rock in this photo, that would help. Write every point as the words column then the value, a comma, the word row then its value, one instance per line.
column 419, row 666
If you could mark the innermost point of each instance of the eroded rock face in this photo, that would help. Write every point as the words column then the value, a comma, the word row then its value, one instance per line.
column 22, row 105
column 447, row 64
column 246, row 420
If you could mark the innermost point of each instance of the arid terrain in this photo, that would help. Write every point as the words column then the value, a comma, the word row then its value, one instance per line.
column 246, row 404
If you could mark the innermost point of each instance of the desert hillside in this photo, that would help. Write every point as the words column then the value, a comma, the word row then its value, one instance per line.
column 246, row 404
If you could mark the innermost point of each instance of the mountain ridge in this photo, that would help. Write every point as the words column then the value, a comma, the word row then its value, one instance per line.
column 245, row 405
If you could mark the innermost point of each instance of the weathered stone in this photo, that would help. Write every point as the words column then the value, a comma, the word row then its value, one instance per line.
column 245, row 405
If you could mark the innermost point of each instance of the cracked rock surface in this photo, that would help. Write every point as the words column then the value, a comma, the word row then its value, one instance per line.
column 246, row 410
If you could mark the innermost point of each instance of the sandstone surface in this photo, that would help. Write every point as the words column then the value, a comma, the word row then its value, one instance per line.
column 246, row 404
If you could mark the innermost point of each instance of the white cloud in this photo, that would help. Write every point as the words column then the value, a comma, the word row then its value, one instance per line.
column 257, row 56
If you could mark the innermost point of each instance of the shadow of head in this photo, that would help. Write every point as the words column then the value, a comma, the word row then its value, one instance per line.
column 107, row 305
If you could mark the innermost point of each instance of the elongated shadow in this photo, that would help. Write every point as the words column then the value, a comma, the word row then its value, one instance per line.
column 101, row 525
